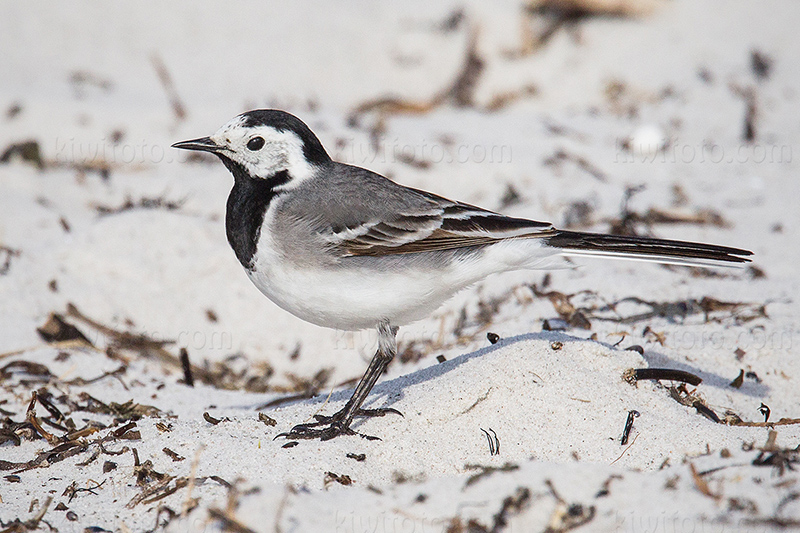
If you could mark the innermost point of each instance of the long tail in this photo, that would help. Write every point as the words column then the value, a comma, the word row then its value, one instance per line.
column 647, row 249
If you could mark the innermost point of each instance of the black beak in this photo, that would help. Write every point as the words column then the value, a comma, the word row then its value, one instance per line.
column 203, row 144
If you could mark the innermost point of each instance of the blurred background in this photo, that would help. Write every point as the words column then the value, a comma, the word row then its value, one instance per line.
column 674, row 118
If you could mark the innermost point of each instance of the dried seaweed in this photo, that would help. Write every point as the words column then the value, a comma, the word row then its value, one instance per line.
column 56, row 329
column 563, row 306
column 341, row 479
column 567, row 516
column 186, row 365
column 69, row 446
column 27, row 151
column 781, row 459
column 628, row 427
column 701, row 485
column 116, row 373
column 485, row 471
column 227, row 522
column 73, row 489
column 173, row 455
column 267, row 420
column 252, row 378
column 505, row 99
column 761, row 65
column 561, row 155
column 142, row 344
column 712, row 309
column 736, row 421
column 169, row 87
column 32, row 524
column 309, row 385
column 144, row 202
column 510, row 506
column 555, row 15
column 214, row 421
column 122, row 412
column 34, row 372
column 627, row 222
column 633, row 375
column 684, row 397
column 227, row 519
column 7, row 254
column 460, row 92
column 494, row 441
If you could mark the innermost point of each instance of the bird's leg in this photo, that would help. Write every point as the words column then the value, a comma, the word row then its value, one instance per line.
column 328, row 427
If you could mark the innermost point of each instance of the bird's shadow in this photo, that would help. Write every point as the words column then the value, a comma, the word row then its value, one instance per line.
column 390, row 392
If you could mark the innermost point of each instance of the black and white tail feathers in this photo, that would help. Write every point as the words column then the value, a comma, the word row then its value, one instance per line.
column 647, row 249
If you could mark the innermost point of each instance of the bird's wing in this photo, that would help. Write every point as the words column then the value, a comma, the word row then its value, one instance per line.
column 436, row 224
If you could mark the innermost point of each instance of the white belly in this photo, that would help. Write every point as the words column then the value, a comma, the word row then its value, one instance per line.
column 361, row 294
column 351, row 300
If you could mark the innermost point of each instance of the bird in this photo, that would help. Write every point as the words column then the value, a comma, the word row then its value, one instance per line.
column 343, row 247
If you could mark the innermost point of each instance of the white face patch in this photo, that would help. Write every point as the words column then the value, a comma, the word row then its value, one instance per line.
column 281, row 150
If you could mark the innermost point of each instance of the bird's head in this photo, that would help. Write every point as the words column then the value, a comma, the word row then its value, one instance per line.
column 263, row 143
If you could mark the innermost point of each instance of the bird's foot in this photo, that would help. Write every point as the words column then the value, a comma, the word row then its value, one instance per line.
column 329, row 427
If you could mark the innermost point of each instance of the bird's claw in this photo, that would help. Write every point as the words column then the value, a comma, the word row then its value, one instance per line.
column 334, row 425
column 366, row 413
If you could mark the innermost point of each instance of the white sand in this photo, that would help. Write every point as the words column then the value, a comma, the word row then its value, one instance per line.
column 558, row 413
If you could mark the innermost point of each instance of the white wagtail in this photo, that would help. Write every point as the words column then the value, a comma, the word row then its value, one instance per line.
column 343, row 247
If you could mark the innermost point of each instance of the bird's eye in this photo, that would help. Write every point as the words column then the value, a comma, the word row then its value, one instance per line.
column 255, row 144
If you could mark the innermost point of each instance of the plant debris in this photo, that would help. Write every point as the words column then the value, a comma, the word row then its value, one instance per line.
column 341, row 479
column 633, row 375
column 485, row 471
column 142, row 203
column 188, row 378
column 711, row 309
column 494, row 441
column 460, row 92
column 73, row 489
column 511, row 505
column 35, row 372
column 738, row 381
column 561, row 155
column 7, row 254
column 555, row 15
column 214, row 421
column 32, row 524
column 563, row 306
column 681, row 395
column 169, row 87
column 748, row 95
column 56, row 329
column 764, row 410
column 781, row 458
column 219, row 375
column 628, row 426
column 69, row 445
column 761, row 65
column 27, row 151
column 267, row 420
column 701, row 484
column 173, row 455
